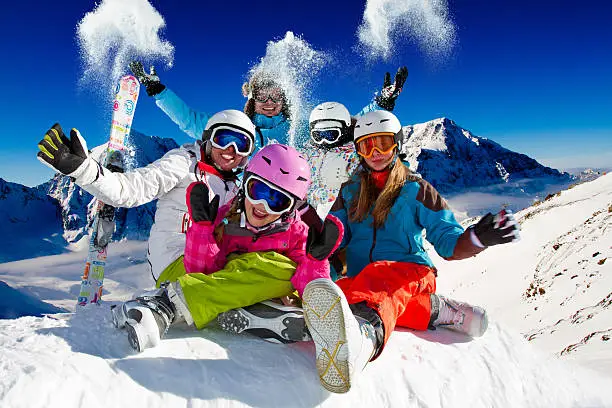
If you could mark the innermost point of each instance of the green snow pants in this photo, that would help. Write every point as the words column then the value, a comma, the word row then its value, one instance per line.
column 245, row 280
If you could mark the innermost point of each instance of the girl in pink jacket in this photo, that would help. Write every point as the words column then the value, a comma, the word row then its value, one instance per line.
column 253, row 249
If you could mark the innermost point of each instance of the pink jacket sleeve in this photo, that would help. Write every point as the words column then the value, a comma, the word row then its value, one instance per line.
column 201, row 249
column 309, row 268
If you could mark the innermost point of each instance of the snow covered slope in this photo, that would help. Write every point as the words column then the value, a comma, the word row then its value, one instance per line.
column 80, row 360
column 555, row 285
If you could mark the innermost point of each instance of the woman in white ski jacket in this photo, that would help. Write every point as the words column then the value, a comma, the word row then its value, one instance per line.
column 217, row 159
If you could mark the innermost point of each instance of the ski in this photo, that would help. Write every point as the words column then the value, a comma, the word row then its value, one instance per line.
column 103, row 224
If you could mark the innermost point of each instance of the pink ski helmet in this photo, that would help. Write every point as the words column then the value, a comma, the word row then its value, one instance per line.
column 282, row 166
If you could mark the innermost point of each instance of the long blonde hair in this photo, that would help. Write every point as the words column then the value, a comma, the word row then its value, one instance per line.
column 382, row 201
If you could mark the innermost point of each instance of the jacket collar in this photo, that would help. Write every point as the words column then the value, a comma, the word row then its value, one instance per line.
column 264, row 122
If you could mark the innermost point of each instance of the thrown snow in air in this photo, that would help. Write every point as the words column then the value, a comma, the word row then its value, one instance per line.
column 293, row 64
column 116, row 32
column 386, row 22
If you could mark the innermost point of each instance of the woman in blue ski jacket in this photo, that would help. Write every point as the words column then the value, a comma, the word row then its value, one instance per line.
column 267, row 106
column 387, row 213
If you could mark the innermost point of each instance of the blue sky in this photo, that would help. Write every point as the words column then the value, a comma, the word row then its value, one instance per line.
column 534, row 76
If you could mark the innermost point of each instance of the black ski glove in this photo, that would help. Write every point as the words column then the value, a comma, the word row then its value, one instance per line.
column 321, row 244
column 497, row 229
column 60, row 153
column 150, row 81
column 390, row 91
column 200, row 209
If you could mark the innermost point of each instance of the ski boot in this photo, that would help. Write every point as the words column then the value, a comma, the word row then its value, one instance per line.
column 271, row 321
column 458, row 316
column 344, row 343
column 148, row 317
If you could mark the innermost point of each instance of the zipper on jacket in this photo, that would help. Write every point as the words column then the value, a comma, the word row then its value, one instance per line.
column 373, row 245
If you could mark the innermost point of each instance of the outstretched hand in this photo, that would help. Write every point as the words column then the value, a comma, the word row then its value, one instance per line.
column 200, row 208
column 497, row 229
column 151, row 81
column 390, row 91
column 60, row 153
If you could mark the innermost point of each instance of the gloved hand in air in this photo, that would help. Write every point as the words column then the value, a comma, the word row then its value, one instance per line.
column 390, row 91
column 497, row 229
column 60, row 153
column 150, row 81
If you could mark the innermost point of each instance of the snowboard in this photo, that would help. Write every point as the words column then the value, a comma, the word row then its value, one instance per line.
column 103, row 224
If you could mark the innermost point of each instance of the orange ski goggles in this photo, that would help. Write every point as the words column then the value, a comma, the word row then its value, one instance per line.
column 383, row 142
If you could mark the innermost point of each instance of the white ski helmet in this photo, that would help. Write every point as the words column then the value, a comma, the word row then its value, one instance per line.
column 329, row 111
column 230, row 118
column 330, row 124
column 380, row 121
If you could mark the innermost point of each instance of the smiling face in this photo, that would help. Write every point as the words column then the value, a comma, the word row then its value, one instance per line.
column 268, row 101
column 225, row 159
column 257, row 215
column 379, row 161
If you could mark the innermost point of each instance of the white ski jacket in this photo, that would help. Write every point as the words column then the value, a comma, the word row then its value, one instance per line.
column 330, row 168
column 165, row 180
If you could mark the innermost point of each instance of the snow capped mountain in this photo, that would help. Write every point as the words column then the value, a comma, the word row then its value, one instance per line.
column 452, row 159
column 588, row 174
column 548, row 298
column 30, row 222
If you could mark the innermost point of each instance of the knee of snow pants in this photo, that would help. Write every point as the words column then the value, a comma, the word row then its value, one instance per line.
column 172, row 272
column 397, row 291
column 245, row 280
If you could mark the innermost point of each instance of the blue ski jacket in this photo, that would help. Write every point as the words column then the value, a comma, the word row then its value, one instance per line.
column 193, row 122
column 418, row 209
column 275, row 128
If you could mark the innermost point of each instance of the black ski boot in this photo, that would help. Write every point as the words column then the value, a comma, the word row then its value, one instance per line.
column 271, row 321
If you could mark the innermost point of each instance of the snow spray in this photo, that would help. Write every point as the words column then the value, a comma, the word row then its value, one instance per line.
column 387, row 21
column 113, row 34
column 293, row 64
column 116, row 32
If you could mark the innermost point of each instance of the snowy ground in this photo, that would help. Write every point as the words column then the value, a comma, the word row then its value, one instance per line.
column 80, row 360
column 555, row 285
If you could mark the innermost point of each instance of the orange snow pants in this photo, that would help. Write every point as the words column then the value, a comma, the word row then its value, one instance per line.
column 397, row 291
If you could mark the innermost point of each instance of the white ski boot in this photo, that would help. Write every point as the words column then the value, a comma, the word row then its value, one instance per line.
column 459, row 316
column 344, row 344
column 148, row 317
column 269, row 320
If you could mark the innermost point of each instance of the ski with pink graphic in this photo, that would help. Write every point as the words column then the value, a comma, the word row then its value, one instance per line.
column 103, row 224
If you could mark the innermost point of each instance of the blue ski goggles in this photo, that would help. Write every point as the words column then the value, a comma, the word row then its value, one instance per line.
column 274, row 200
column 223, row 137
column 327, row 133
column 327, row 136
